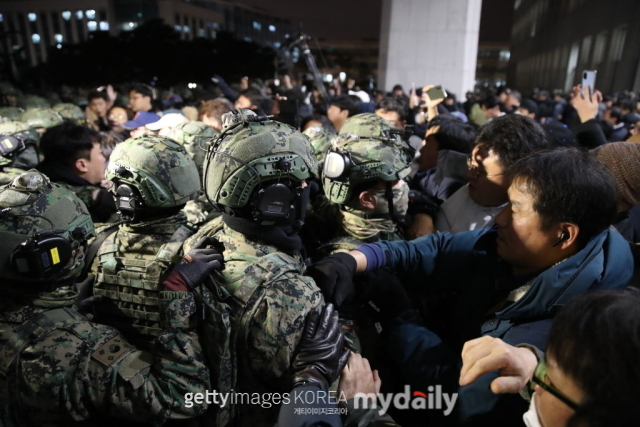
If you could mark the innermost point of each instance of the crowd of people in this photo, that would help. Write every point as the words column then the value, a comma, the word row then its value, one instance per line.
column 256, row 254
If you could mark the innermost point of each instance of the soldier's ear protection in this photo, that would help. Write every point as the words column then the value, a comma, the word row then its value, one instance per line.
column 128, row 201
column 337, row 164
column 564, row 236
column 44, row 254
column 11, row 145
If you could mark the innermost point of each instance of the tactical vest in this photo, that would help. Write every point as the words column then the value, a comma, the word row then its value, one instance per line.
column 130, row 287
column 228, row 312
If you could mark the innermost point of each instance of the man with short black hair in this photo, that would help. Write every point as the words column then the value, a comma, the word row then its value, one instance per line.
column 628, row 108
column 73, row 158
column 99, row 104
column 341, row 108
column 251, row 99
column 528, row 107
column 392, row 111
column 553, row 241
column 491, row 107
column 614, row 116
column 500, row 144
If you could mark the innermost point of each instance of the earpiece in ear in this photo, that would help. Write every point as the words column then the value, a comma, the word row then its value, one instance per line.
column 564, row 236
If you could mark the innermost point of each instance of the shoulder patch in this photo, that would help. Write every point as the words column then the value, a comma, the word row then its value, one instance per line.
column 109, row 352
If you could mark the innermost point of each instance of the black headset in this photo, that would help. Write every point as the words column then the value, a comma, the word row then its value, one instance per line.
column 12, row 145
column 46, row 253
column 564, row 236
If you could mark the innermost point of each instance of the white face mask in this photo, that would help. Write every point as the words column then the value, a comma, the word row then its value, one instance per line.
column 531, row 416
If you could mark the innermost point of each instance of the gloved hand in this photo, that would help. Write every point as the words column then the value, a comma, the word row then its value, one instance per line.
column 334, row 277
column 85, row 298
column 195, row 266
column 321, row 355
column 383, row 296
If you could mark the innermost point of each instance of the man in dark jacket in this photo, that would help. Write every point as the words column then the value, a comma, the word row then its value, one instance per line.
column 551, row 243
column 73, row 158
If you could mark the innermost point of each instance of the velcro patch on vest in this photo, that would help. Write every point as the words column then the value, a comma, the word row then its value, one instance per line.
column 109, row 352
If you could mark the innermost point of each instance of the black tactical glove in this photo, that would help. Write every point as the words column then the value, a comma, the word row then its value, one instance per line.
column 334, row 277
column 383, row 296
column 321, row 355
column 195, row 266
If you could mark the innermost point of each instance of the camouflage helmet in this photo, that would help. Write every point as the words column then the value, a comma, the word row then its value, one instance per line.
column 252, row 150
column 69, row 111
column 17, row 145
column 33, row 101
column 43, row 230
column 7, row 89
column 195, row 137
column 10, row 113
column 320, row 140
column 41, row 118
column 159, row 169
column 367, row 149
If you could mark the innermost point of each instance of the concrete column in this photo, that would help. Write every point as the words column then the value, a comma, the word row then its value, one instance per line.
column 429, row 42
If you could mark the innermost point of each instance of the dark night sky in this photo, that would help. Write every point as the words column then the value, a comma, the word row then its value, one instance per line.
column 360, row 19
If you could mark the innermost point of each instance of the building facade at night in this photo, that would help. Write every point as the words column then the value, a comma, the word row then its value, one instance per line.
column 554, row 41
column 29, row 28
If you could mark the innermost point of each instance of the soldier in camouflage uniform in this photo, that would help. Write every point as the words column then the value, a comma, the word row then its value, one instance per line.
column 18, row 150
column 153, row 177
column 320, row 140
column 41, row 119
column 364, row 173
column 11, row 113
column 71, row 112
column 33, row 101
column 255, row 172
column 57, row 367
column 195, row 137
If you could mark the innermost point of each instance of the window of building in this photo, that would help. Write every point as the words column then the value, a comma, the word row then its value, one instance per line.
column 104, row 26
column 257, row 26
column 201, row 32
column 91, row 14
column 505, row 55
column 178, row 27
column 79, row 15
column 248, row 39
column 1, row 18
column 35, row 38
column 277, row 45
column 59, row 46
column 598, row 49
column 272, row 28
column 186, row 29
column 58, row 38
column 618, row 38
column 66, row 15
column 92, row 25
column 32, row 17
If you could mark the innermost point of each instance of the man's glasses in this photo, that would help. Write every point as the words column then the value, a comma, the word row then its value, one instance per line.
column 476, row 174
column 119, row 117
column 539, row 378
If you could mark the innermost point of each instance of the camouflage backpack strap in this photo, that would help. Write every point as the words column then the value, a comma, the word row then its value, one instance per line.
column 93, row 249
column 229, row 316
column 32, row 329
column 168, row 252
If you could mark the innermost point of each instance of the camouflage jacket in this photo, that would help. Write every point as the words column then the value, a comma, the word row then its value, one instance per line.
column 8, row 173
column 57, row 367
column 129, row 267
column 277, row 324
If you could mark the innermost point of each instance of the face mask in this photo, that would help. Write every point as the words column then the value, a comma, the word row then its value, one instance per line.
column 400, row 200
column 531, row 416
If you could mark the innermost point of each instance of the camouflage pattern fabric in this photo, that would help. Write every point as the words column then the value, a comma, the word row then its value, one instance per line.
column 158, row 167
column 8, row 174
column 41, row 118
column 196, row 138
column 376, row 155
column 30, row 203
column 129, row 267
column 11, row 113
column 276, row 323
column 71, row 369
column 320, row 141
column 249, row 152
column 33, row 101
column 69, row 111
column 85, row 194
